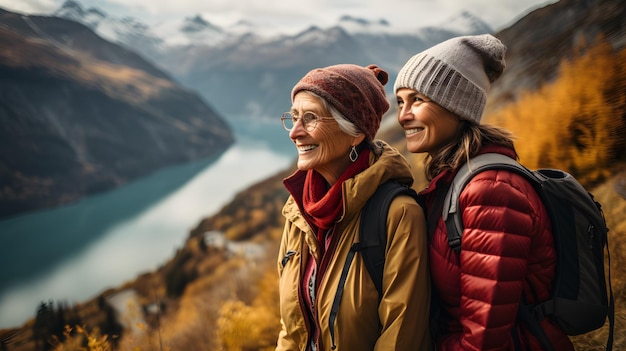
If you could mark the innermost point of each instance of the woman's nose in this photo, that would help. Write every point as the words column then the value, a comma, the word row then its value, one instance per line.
column 404, row 113
column 297, row 129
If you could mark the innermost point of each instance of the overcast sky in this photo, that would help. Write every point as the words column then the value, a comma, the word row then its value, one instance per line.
column 294, row 15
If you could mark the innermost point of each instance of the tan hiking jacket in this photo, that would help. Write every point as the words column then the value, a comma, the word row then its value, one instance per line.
column 400, row 321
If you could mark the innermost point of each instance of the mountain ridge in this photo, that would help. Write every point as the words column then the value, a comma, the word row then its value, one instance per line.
column 222, row 65
column 81, row 115
column 578, row 23
column 126, row 27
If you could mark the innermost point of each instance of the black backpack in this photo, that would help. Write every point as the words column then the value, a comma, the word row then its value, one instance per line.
column 373, row 228
column 579, row 302
column 372, row 241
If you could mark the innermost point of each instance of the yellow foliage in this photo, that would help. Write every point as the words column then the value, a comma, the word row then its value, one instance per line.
column 241, row 327
column 573, row 123
column 254, row 327
column 268, row 294
column 74, row 341
column 258, row 216
column 237, row 231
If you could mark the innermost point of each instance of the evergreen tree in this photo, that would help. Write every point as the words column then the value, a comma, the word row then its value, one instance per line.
column 42, row 327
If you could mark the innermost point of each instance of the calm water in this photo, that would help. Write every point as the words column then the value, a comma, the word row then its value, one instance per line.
column 74, row 252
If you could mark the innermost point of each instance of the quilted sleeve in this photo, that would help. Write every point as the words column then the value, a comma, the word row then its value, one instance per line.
column 500, row 216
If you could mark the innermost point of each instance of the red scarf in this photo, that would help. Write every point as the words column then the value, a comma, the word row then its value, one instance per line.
column 324, row 205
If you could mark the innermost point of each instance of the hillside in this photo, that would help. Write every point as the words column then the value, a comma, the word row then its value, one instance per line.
column 541, row 40
column 80, row 115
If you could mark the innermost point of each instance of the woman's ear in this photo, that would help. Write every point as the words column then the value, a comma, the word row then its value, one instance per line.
column 358, row 139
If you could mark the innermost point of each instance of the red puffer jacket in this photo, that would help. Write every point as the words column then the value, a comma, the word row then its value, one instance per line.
column 507, row 249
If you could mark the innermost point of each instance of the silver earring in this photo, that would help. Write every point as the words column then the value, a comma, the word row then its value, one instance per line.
column 353, row 154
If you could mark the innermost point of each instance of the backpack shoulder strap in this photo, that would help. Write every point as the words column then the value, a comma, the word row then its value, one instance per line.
column 450, row 212
column 373, row 228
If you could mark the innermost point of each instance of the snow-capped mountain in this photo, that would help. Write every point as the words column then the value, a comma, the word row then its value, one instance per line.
column 225, row 63
column 198, row 30
column 74, row 11
column 135, row 34
column 126, row 31
column 463, row 22
column 355, row 25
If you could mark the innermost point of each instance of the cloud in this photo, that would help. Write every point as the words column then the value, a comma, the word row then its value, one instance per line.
column 30, row 6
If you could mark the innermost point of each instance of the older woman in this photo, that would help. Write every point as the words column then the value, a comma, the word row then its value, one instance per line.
column 507, row 252
column 335, row 114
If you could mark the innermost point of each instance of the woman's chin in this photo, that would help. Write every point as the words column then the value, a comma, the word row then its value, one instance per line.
column 415, row 148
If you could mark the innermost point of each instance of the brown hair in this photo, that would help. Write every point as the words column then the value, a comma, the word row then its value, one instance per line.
column 472, row 137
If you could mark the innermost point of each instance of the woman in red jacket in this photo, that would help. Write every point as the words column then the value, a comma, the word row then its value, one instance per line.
column 507, row 250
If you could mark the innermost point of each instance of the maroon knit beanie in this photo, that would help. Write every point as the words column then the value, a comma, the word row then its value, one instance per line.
column 357, row 92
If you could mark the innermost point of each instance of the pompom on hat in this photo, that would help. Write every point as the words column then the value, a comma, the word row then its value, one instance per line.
column 456, row 74
column 357, row 92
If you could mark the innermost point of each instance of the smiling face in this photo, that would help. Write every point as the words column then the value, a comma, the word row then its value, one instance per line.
column 325, row 149
column 427, row 126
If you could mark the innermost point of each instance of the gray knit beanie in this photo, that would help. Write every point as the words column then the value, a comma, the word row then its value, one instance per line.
column 456, row 74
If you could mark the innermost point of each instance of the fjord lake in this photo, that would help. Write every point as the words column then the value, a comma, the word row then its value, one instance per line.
column 74, row 252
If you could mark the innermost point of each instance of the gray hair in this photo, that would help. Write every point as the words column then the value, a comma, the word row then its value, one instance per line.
column 344, row 124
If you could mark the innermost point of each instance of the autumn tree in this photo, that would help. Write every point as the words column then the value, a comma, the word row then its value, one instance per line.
column 576, row 122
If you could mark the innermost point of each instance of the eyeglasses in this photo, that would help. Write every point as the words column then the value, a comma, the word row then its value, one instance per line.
column 309, row 120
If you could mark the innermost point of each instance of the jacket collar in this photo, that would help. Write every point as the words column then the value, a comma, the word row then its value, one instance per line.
column 385, row 163
column 447, row 176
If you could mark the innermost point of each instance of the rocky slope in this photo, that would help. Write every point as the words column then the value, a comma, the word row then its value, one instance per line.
column 79, row 115
column 545, row 37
